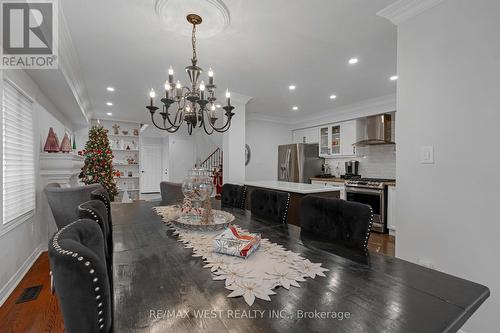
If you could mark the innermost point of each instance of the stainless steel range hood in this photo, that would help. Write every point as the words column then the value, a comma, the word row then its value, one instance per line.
column 374, row 130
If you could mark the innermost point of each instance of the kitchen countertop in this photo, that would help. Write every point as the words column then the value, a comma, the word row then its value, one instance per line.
column 293, row 187
column 341, row 180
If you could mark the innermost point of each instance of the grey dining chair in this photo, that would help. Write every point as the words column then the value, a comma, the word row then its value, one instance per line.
column 78, row 264
column 95, row 210
column 270, row 205
column 103, row 195
column 344, row 223
column 170, row 193
column 64, row 201
column 233, row 196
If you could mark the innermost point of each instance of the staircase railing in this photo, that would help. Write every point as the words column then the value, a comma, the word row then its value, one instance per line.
column 213, row 161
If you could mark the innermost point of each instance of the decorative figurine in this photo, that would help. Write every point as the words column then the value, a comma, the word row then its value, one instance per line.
column 116, row 129
column 128, row 147
column 74, row 142
column 130, row 173
column 124, row 132
column 136, row 131
column 52, row 143
column 65, row 144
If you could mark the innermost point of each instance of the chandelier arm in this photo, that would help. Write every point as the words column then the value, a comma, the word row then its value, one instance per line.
column 218, row 129
column 171, row 129
column 167, row 117
column 203, row 122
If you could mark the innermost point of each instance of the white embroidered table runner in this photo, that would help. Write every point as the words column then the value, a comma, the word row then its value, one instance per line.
column 255, row 277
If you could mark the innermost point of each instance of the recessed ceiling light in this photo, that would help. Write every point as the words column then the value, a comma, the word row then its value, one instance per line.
column 109, row 114
column 333, row 96
column 291, row 87
column 393, row 78
column 110, row 89
column 295, row 108
column 353, row 61
column 109, row 103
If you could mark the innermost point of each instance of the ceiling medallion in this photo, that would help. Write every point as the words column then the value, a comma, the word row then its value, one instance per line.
column 214, row 12
column 193, row 104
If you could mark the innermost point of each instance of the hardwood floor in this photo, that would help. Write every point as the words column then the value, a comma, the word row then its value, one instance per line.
column 382, row 243
column 39, row 315
column 44, row 315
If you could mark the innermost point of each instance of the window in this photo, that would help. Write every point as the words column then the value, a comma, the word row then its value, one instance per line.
column 18, row 158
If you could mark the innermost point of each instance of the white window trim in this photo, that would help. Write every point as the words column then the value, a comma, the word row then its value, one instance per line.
column 13, row 224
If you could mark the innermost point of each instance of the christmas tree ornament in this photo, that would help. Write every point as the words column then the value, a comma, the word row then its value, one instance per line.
column 52, row 143
column 65, row 144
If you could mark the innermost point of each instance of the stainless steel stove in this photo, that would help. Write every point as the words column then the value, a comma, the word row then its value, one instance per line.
column 372, row 192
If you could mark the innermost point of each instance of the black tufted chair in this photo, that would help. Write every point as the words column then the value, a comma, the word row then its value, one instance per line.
column 95, row 210
column 270, row 205
column 63, row 201
column 78, row 263
column 102, row 194
column 170, row 193
column 344, row 223
column 233, row 196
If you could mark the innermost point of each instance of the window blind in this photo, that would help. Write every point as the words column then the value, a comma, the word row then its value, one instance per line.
column 18, row 158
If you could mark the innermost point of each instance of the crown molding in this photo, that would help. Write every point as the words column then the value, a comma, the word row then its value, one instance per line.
column 360, row 109
column 254, row 116
column 352, row 111
column 69, row 65
column 403, row 10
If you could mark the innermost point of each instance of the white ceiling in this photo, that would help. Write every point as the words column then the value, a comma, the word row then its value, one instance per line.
column 268, row 45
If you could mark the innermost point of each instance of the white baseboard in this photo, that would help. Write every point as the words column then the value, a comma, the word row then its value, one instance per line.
column 9, row 287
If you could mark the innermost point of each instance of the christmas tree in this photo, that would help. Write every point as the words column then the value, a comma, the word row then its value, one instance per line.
column 98, row 167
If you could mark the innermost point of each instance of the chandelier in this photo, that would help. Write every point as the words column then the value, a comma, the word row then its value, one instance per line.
column 193, row 104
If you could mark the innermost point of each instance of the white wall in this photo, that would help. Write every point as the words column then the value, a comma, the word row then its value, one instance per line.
column 264, row 137
column 21, row 244
column 448, row 98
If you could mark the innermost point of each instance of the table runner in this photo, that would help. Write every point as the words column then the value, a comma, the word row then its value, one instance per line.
column 269, row 267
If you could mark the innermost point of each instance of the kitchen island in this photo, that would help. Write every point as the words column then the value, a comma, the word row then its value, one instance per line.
column 297, row 192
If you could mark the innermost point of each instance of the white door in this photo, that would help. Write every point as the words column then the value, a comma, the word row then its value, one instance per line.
column 182, row 158
column 151, row 167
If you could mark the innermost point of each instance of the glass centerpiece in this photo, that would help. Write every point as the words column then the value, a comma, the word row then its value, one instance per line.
column 197, row 189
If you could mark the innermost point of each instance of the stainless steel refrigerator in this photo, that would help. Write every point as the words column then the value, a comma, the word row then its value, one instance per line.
column 298, row 162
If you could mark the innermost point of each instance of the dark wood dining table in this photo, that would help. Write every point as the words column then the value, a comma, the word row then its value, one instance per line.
column 160, row 287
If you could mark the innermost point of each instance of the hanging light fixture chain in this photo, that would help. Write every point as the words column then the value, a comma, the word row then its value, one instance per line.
column 193, row 41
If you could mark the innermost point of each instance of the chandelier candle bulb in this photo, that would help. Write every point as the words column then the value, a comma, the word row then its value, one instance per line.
column 167, row 89
column 170, row 75
column 228, row 97
column 210, row 76
column 178, row 87
column 202, row 90
column 152, row 95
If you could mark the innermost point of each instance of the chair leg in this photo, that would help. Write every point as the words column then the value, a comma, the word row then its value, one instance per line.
column 52, row 289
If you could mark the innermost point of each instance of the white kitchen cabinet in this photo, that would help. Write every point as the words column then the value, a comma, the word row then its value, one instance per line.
column 332, row 183
column 305, row 135
column 336, row 140
column 391, row 209
column 348, row 138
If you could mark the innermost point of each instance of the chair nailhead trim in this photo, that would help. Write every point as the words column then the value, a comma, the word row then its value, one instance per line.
column 57, row 247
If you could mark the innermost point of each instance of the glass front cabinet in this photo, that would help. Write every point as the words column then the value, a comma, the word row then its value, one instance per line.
column 337, row 139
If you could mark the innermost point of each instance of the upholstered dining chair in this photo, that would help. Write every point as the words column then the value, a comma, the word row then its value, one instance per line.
column 78, row 264
column 103, row 195
column 233, row 196
column 170, row 193
column 64, row 201
column 270, row 205
column 96, row 210
column 342, row 222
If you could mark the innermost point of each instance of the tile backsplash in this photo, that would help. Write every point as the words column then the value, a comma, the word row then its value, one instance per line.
column 374, row 161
